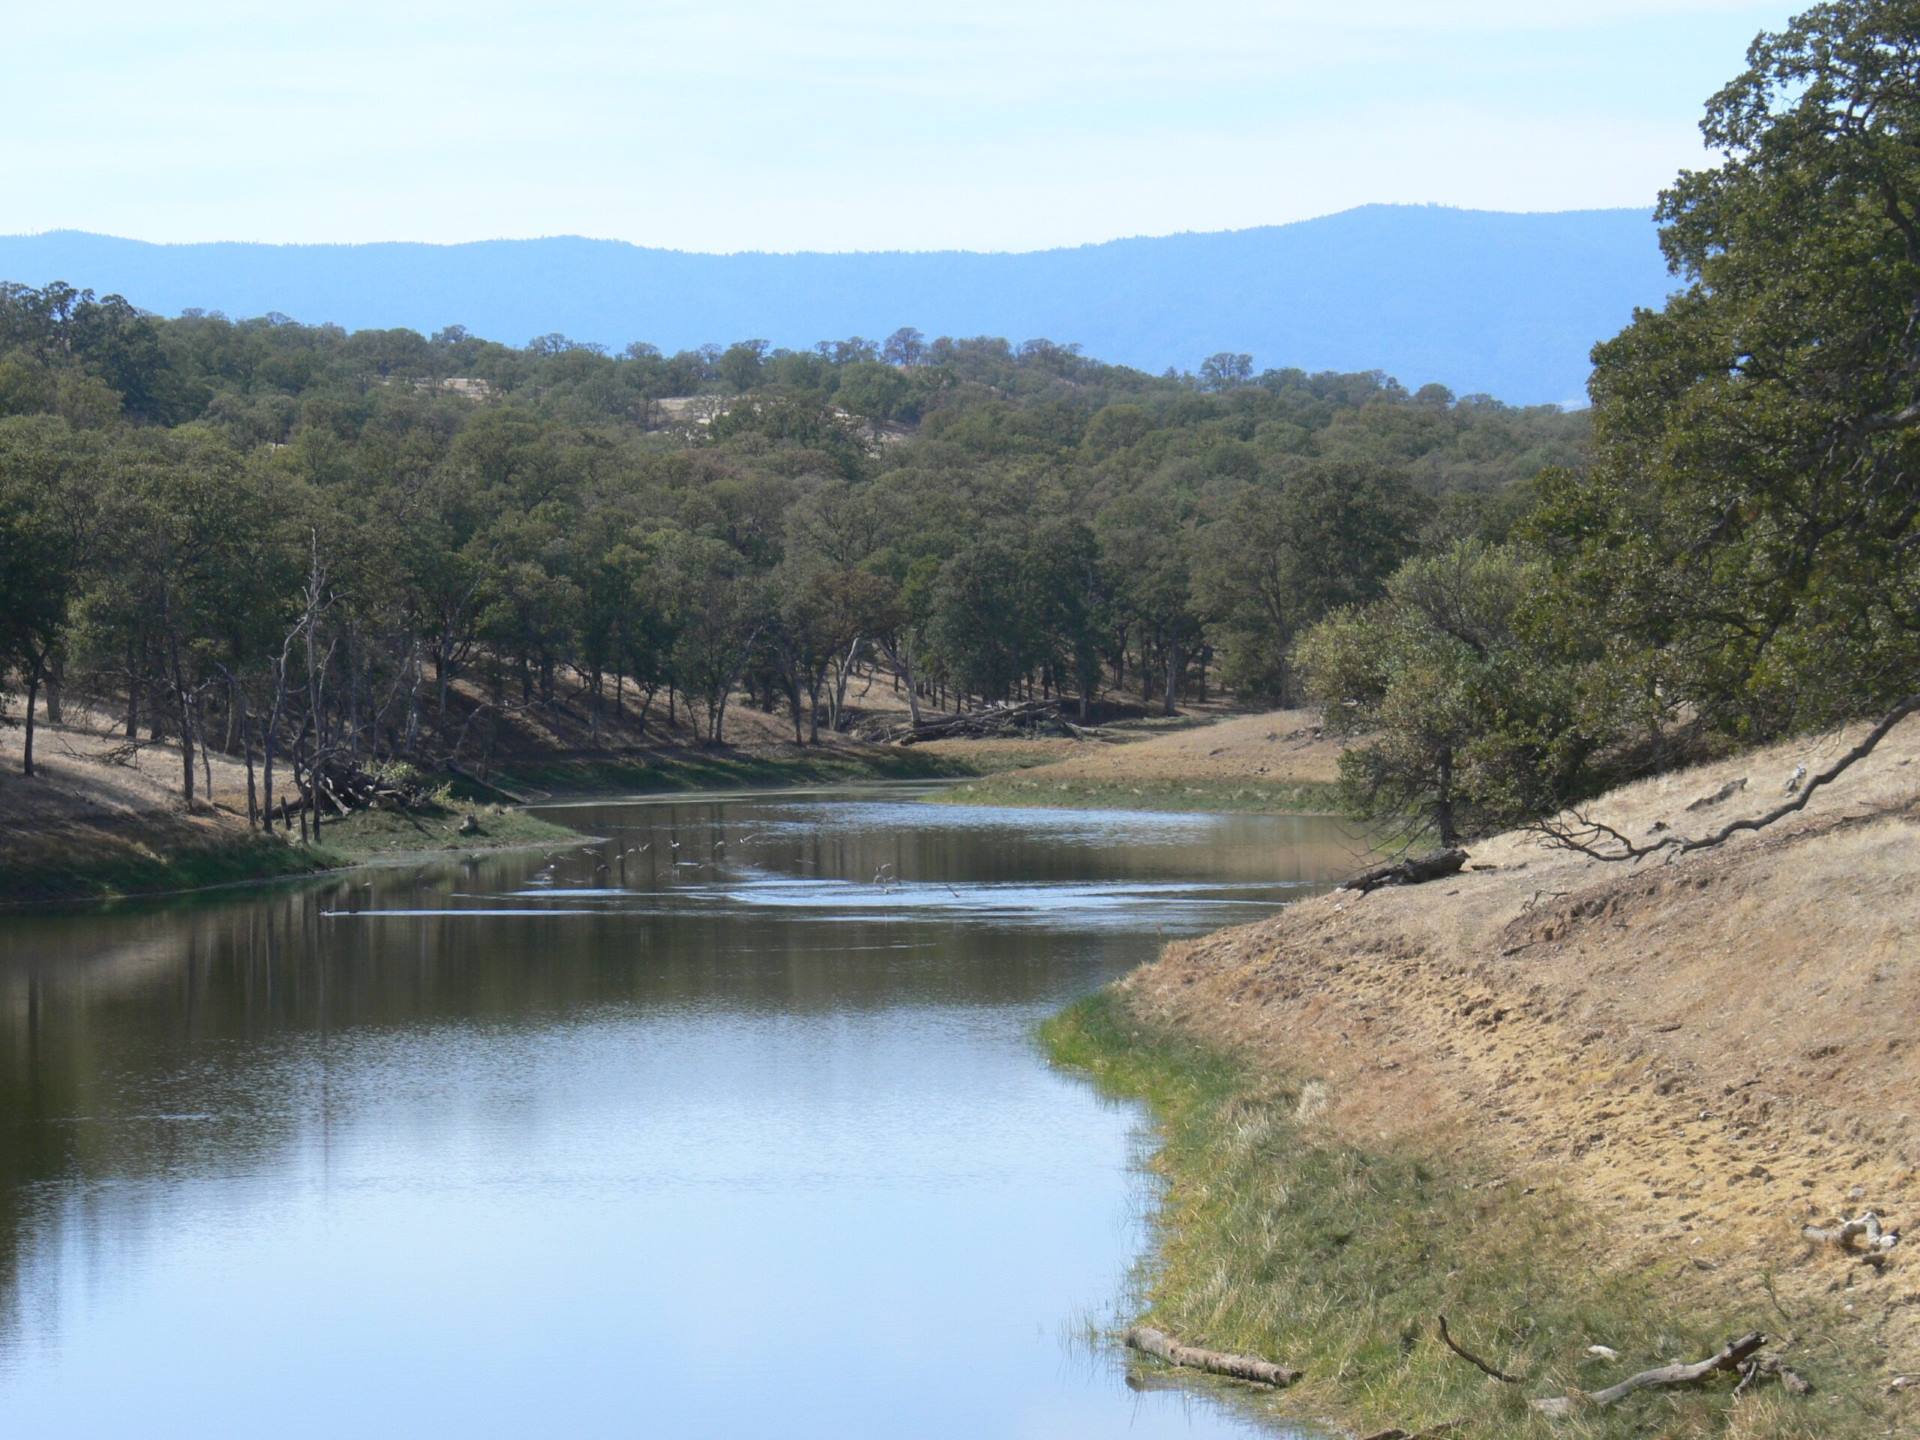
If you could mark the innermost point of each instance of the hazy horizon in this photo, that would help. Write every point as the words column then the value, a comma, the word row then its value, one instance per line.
column 397, row 240
column 752, row 128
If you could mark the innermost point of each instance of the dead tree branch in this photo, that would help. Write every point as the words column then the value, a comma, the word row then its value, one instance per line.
column 1474, row 1360
column 1731, row 1356
column 1865, row 1226
column 1598, row 841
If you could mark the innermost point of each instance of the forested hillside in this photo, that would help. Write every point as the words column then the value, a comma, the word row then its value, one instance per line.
column 289, row 542
column 1505, row 304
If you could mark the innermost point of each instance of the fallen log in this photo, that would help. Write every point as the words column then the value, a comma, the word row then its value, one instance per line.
column 1163, row 1346
column 1436, row 866
column 1731, row 1356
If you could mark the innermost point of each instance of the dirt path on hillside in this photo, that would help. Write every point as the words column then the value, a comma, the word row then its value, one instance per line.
column 1708, row 1054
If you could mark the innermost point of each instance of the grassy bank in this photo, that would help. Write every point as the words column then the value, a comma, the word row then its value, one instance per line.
column 1275, row 1238
column 1226, row 795
column 92, row 855
column 428, row 830
column 157, row 855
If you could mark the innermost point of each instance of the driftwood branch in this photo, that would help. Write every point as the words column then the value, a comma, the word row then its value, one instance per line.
column 1731, row 1356
column 1589, row 837
column 1865, row 1226
column 1474, row 1360
column 1163, row 1346
column 1436, row 866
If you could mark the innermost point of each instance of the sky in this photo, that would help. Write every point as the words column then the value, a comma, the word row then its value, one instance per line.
column 839, row 124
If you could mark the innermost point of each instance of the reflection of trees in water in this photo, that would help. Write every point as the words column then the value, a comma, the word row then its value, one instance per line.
column 141, row 1050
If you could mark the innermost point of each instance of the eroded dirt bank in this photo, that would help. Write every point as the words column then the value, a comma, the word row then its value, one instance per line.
column 1705, row 1055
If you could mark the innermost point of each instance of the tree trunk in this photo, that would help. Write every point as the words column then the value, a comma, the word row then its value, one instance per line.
column 246, row 742
column 416, row 675
column 1443, row 819
column 133, row 690
column 266, row 773
column 902, row 658
column 33, row 693
column 1173, row 674
column 183, row 702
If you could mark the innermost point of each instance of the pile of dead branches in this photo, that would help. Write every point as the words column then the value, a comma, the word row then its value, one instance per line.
column 343, row 787
column 1034, row 717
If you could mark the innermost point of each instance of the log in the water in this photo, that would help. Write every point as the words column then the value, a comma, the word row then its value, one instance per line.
column 1163, row 1346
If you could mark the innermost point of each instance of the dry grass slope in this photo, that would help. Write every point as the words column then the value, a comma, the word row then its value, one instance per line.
column 1701, row 1055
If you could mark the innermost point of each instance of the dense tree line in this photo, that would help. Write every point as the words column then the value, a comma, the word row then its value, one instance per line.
column 1741, row 561
column 291, row 544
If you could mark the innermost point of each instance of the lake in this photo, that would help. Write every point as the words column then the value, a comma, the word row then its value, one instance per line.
column 730, row 1123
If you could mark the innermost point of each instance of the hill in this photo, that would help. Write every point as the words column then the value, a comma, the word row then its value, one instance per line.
column 1501, row 304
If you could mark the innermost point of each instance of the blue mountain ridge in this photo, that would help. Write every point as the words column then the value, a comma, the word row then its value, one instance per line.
column 1503, row 304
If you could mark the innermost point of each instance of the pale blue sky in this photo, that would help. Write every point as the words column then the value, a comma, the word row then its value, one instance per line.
column 846, row 124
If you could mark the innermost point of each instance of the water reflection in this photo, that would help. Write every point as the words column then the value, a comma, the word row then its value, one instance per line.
column 725, row 1123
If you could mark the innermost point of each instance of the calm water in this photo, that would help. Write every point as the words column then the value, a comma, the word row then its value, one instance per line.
column 729, row 1125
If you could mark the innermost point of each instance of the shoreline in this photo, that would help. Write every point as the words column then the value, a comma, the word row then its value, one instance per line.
column 86, row 836
column 103, row 852
column 1277, row 1237
column 144, row 870
column 1568, row 1104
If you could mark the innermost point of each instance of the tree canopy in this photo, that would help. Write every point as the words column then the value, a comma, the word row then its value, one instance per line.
column 1741, row 560
column 292, row 540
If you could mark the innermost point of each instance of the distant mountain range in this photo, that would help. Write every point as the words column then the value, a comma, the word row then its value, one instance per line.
column 1502, row 304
